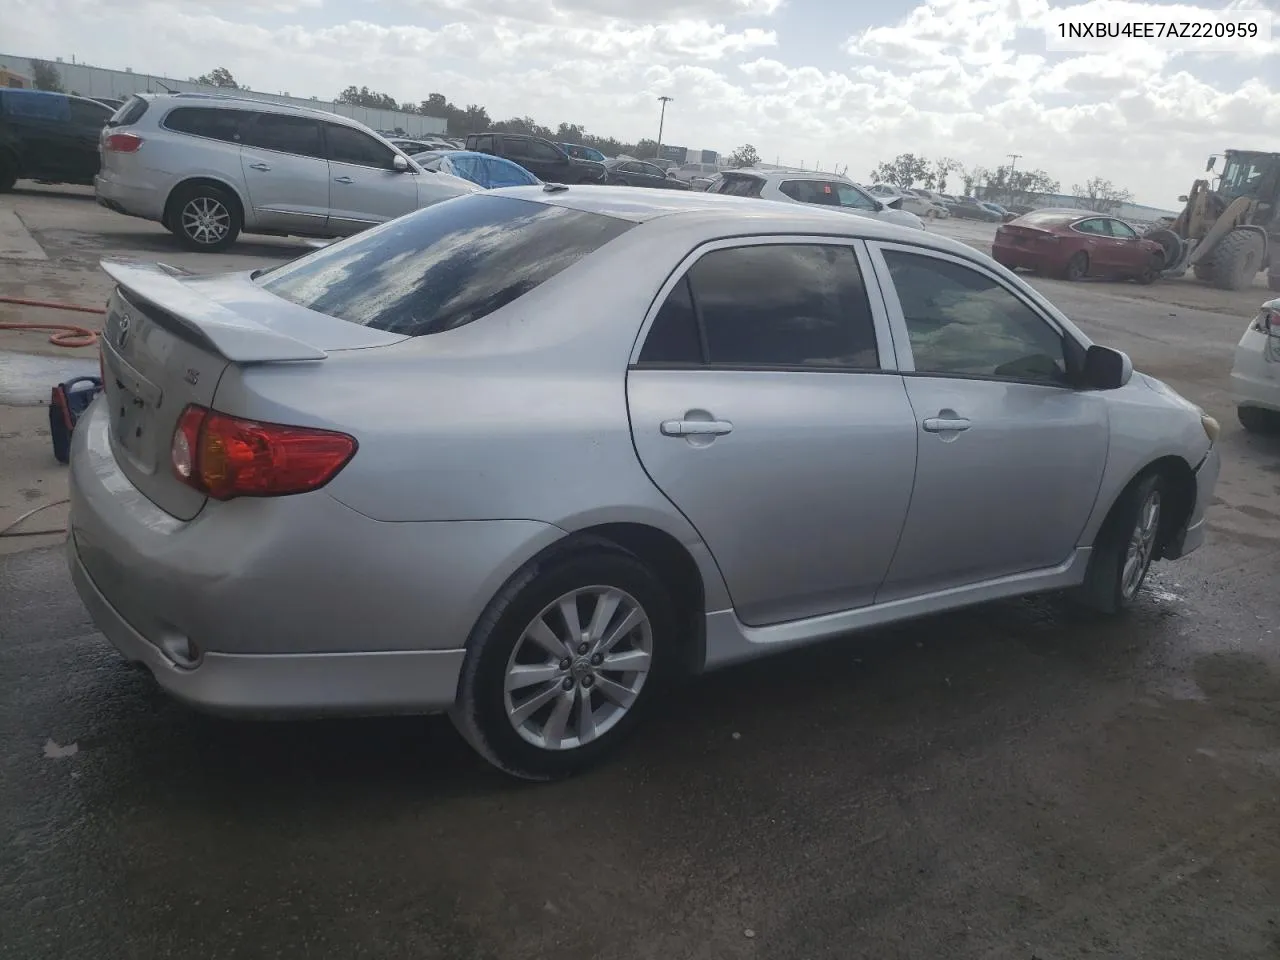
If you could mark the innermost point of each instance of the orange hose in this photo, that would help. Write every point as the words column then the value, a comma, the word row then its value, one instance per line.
column 67, row 334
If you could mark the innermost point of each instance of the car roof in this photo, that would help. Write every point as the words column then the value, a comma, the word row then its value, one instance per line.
column 788, row 175
column 231, row 100
column 763, row 216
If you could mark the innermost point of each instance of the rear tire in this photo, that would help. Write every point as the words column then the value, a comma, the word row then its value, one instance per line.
column 1125, row 547
column 492, row 715
column 1257, row 420
column 8, row 173
column 1273, row 280
column 1237, row 260
column 1077, row 267
column 204, row 217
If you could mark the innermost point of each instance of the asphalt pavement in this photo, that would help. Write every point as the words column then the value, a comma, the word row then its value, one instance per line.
column 1018, row 780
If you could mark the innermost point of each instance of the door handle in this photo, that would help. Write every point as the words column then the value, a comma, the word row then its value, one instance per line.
column 946, row 424
column 696, row 428
column 343, row 180
column 259, row 166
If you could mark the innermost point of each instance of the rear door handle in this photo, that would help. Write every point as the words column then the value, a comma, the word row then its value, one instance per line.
column 946, row 424
column 343, row 180
column 259, row 166
column 696, row 428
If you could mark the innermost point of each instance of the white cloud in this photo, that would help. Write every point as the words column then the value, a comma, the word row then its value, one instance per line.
column 969, row 79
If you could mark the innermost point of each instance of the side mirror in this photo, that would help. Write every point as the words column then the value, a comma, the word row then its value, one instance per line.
column 1183, row 198
column 400, row 164
column 1209, row 166
column 1105, row 368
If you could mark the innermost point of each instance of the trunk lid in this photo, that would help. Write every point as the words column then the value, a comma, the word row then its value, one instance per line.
column 167, row 340
column 1024, row 236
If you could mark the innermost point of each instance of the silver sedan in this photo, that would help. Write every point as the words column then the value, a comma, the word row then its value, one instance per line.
column 528, row 456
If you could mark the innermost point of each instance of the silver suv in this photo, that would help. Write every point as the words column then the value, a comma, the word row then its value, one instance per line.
column 821, row 189
column 209, row 167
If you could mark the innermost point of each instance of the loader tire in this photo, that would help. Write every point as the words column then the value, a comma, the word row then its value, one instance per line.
column 1236, row 260
column 1203, row 271
column 1273, row 279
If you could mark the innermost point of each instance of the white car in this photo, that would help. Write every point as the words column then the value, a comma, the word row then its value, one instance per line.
column 209, row 167
column 909, row 201
column 1255, row 376
column 820, row 189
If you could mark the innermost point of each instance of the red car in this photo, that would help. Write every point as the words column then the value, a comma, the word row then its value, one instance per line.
column 1074, row 244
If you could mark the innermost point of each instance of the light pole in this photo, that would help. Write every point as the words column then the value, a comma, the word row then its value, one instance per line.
column 1013, row 162
column 662, row 119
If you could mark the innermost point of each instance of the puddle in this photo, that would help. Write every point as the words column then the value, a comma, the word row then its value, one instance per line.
column 27, row 378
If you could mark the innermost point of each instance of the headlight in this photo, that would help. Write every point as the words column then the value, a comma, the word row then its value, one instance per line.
column 1211, row 427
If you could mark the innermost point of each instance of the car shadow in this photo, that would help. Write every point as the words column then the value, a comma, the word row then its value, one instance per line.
column 275, row 248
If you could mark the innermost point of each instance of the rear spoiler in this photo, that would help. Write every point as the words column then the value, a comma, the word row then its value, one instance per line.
column 237, row 338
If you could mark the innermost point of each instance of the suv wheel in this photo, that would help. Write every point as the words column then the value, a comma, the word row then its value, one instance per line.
column 8, row 173
column 205, row 217
column 564, row 663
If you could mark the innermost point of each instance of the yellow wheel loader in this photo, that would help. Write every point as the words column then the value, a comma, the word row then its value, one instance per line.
column 1225, row 236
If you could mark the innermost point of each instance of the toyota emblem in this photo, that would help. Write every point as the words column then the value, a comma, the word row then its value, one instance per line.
column 123, row 334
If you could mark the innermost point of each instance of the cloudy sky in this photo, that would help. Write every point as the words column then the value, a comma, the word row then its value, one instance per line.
column 812, row 81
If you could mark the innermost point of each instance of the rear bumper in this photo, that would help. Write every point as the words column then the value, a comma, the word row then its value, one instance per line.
column 1255, row 379
column 400, row 681
column 295, row 605
column 134, row 201
column 1019, row 256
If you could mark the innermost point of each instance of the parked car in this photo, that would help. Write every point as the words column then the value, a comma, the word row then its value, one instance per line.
column 819, row 189
column 1077, row 244
column 483, row 169
column 971, row 208
column 410, row 147
column 937, row 207
column 209, row 167
column 1004, row 215
column 685, row 481
column 638, row 173
column 544, row 159
column 50, row 137
column 579, row 152
column 1255, row 375
column 705, row 183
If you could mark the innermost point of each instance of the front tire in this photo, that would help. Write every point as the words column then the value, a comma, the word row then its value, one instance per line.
column 205, row 218
column 564, row 663
column 1125, row 547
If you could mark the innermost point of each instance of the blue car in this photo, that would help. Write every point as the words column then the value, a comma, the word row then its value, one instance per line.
column 484, row 169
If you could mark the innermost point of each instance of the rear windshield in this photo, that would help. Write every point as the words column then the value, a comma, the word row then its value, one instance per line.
column 1048, row 217
column 130, row 112
column 741, row 186
column 444, row 266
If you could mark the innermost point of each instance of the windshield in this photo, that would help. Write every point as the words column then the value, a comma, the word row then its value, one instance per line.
column 1243, row 177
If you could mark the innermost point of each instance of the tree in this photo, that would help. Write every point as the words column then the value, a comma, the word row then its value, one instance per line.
column 364, row 97
column 744, row 156
column 902, row 171
column 1019, row 186
column 1100, row 196
column 218, row 77
column 972, row 176
column 936, row 178
column 45, row 76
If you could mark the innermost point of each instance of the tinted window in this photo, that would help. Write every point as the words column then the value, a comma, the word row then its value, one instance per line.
column 533, row 150
column 347, row 145
column 811, row 191
column 286, row 133
column 206, row 122
column 484, row 144
column 673, row 337
column 652, row 171
column 784, row 305
column 130, row 112
column 962, row 322
column 89, row 113
column 1096, row 227
column 740, row 186
column 1121, row 230
column 444, row 266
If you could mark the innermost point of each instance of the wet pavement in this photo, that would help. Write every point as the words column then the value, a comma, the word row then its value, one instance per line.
column 1015, row 781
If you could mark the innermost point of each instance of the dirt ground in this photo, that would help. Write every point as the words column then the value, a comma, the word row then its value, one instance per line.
column 1014, row 781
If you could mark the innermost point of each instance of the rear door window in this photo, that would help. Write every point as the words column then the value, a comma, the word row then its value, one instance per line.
column 285, row 133
column 444, row 266
column 207, row 122
column 792, row 305
column 88, row 113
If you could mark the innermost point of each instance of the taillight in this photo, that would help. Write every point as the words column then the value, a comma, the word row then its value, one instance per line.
column 226, row 457
column 123, row 142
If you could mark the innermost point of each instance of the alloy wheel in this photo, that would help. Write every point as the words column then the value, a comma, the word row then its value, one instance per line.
column 1142, row 542
column 206, row 220
column 578, row 668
